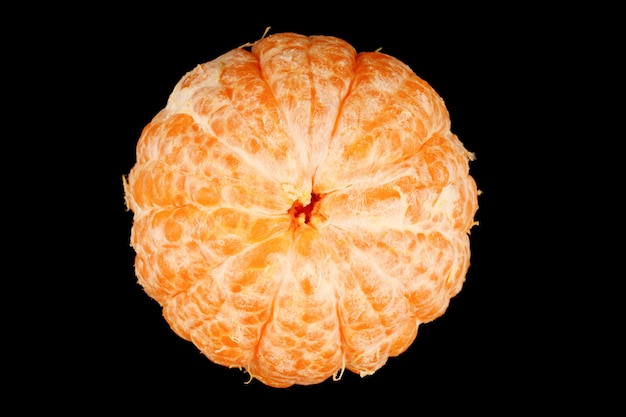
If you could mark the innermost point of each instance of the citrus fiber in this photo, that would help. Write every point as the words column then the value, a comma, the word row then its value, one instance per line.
column 300, row 208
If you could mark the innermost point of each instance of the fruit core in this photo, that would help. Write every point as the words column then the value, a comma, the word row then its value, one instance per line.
column 305, row 214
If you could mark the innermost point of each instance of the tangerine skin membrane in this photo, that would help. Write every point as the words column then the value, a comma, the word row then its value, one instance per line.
column 300, row 209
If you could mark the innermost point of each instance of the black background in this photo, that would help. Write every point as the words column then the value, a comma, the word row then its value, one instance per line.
column 100, row 342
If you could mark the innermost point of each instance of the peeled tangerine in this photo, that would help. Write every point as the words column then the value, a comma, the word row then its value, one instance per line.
column 299, row 209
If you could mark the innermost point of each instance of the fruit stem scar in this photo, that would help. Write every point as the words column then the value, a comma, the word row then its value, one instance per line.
column 298, row 210
column 306, row 214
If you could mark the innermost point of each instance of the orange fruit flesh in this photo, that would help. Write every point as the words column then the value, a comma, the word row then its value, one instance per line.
column 300, row 209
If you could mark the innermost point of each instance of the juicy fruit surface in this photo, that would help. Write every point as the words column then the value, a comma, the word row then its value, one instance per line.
column 300, row 209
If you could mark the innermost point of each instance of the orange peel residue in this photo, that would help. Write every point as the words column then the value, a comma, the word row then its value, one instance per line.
column 300, row 209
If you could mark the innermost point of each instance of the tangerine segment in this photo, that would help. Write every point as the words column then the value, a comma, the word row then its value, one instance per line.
column 224, row 314
column 376, row 318
column 387, row 115
column 432, row 189
column 430, row 266
column 301, row 343
column 309, row 77
column 179, row 163
column 377, row 207
column 230, row 100
column 178, row 246
column 168, row 259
